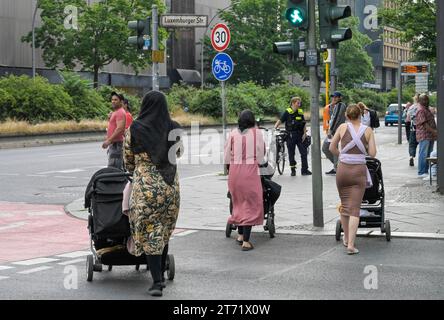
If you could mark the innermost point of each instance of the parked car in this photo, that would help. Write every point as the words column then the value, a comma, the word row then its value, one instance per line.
column 391, row 115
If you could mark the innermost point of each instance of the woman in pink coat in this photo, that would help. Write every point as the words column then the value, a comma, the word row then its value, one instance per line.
column 244, row 151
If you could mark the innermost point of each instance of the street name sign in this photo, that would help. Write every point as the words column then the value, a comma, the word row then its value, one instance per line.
column 220, row 37
column 183, row 21
column 222, row 66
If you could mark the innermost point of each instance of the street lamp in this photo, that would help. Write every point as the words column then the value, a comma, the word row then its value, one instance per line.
column 203, row 42
column 33, row 37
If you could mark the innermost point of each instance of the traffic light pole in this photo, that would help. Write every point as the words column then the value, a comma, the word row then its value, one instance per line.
column 440, row 105
column 333, row 71
column 155, row 29
column 318, row 211
column 399, row 103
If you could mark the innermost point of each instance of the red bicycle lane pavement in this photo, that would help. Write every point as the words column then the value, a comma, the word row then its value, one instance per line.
column 31, row 231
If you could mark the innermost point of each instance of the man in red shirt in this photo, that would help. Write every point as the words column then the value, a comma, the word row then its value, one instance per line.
column 129, row 116
column 115, row 132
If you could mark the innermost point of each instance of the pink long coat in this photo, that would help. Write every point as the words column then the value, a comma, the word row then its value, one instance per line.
column 244, row 152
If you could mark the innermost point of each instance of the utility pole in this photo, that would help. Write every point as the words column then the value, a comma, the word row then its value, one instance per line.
column 440, row 77
column 318, row 210
column 155, row 19
column 400, row 103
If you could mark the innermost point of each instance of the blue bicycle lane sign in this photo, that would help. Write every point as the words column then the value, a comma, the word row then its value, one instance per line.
column 222, row 66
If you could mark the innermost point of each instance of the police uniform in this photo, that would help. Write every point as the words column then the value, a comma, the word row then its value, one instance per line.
column 295, row 124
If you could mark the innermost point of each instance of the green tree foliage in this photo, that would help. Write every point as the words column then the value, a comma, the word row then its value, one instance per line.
column 101, row 36
column 416, row 22
column 354, row 64
column 255, row 25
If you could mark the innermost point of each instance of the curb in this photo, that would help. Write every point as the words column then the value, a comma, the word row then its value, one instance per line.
column 73, row 210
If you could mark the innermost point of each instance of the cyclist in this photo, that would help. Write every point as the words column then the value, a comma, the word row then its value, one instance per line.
column 296, row 126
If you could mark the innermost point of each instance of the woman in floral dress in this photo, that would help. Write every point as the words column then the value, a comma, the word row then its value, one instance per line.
column 155, row 196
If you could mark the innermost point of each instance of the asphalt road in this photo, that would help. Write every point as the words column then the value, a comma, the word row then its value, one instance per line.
column 59, row 174
column 210, row 266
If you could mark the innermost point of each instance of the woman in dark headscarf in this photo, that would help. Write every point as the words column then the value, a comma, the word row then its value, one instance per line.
column 244, row 151
column 155, row 195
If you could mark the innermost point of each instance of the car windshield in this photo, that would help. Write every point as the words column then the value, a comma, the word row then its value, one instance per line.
column 393, row 108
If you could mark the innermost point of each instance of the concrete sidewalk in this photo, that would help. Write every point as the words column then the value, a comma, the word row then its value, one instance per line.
column 412, row 205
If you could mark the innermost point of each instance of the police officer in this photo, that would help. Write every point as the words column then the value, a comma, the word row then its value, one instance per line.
column 296, row 127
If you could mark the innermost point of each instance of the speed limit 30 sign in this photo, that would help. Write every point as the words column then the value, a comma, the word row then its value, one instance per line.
column 220, row 37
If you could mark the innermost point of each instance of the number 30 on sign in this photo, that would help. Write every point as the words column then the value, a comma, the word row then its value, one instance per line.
column 220, row 37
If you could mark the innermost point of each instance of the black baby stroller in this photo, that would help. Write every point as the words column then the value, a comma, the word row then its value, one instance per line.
column 373, row 202
column 271, row 192
column 109, row 228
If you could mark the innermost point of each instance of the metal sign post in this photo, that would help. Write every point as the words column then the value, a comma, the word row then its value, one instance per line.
column 155, row 47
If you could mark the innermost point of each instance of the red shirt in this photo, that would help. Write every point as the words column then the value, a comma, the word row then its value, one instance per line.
column 423, row 116
column 129, row 120
column 116, row 116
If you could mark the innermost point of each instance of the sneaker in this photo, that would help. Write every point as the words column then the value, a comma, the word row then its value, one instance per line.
column 293, row 172
column 306, row 173
column 424, row 175
column 411, row 163
column 331, row 172
column 155, row 290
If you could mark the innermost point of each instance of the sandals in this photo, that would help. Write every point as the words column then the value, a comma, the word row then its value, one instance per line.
column 248, row 248
column 345, row 244
column 354, row 251
column 239, row 242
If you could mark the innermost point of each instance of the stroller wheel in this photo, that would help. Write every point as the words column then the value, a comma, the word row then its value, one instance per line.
column 228, row 230
column 89, row 268
column 97, row 267
column 271, row 227
column 388, row 231
column 338, row 230
column 110, row 268
column 170, row 267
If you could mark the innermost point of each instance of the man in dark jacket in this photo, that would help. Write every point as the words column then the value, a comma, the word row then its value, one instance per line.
column 337, row 118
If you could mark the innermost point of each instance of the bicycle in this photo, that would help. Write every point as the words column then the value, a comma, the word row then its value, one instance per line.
column 281, row 138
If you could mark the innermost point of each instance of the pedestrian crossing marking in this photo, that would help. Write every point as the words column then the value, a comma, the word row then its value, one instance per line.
column 3, row 278
column 71, row 262
column 75, row 254
column 35, row 270
column 5, row 268
column 34, row 261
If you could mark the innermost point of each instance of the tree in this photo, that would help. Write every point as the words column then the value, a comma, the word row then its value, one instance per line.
column 354, row 64
column 415, row 21
column 255, row 25
column 99, row 38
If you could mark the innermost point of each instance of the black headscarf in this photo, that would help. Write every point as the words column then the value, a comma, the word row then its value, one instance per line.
column 246, row 120
column 149, row 133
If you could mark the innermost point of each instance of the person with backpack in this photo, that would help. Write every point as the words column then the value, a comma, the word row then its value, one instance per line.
column 369, row 117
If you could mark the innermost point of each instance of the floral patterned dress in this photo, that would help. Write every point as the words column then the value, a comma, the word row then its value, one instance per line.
column 154, row 205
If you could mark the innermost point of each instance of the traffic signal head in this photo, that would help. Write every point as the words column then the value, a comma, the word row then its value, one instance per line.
column 297, row 13
column 143, row 30
column 329, row 15
column 293, row 49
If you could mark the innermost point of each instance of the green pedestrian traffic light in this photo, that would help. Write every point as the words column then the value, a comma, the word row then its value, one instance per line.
column 329, row 15
column 297, row 13
column 143, row 30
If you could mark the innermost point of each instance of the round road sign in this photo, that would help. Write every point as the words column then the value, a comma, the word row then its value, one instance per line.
column 220, row 37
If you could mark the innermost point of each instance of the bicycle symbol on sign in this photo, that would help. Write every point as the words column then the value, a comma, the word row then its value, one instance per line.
column 222, row 66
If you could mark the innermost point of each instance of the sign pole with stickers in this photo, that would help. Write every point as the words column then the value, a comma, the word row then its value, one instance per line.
column 222, row 67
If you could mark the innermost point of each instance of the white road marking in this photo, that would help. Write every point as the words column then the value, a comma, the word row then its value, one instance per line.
column 4, row 278
column 69, row 154
column 6, row 215
column 64, row 177
column 201, row 176
column 9, row 174
column 75, row 254
column 36, row 175
column 46, row 213
column 185, row 233
column 5, row 268
column 35, row 270
column 71, row 262
column 35, row 261
column 71, row 171
column 12, row 226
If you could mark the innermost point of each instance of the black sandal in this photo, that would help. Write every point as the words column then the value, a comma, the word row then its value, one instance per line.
column 248, row 248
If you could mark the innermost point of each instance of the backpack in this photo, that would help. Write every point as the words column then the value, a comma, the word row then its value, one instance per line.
column 374, row 120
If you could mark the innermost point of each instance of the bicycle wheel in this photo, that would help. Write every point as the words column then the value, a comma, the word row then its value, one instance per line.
column 280, row 161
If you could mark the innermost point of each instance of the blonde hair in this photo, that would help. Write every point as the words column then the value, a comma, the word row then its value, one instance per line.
column 362, row 106
column 353, row 112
